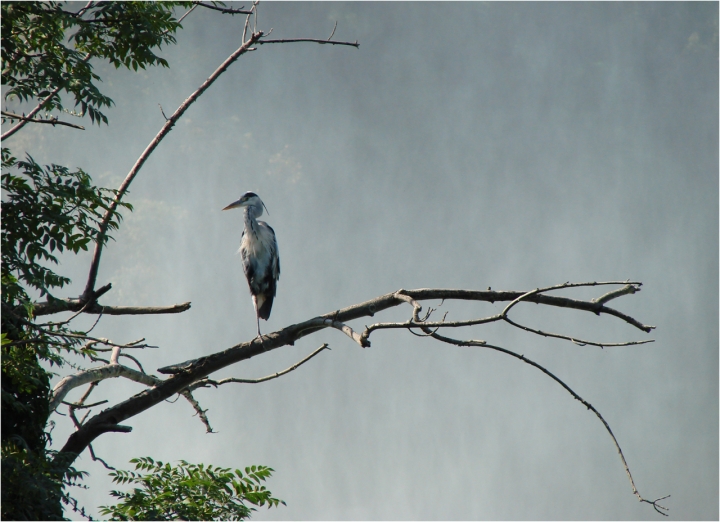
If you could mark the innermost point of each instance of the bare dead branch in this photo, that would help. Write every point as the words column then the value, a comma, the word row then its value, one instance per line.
column 79, row 406
column 189, row 372
column 355, row 44
column 198, row 410
column 209, row 382
column 134, row 360
column 627, row 289
column 55, row 335
column 192, row 374
column 412, row 323
column 576, row 340
column 183, row 16
column 108, row 342
column 52, row 120
column 111, row 345
column 417, row 322
column 95, row 457
column 347, row 331
column 76, row 305
column 577, row 397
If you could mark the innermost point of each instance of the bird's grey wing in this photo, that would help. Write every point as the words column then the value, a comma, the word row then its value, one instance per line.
column 271, row 274
column 275, row 255
column 248, row 265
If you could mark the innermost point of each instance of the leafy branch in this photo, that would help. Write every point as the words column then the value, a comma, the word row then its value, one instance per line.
column 189, row 492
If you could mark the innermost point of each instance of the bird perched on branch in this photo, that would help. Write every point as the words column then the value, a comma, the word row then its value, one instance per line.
column 260, row 258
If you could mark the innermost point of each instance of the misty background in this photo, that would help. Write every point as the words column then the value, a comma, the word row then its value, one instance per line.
column 463, row 145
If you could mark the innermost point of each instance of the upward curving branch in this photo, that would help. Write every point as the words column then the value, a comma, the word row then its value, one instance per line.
column 256, row 38
column 166, row 128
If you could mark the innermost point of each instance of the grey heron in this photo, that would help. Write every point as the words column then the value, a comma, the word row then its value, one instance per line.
column 259, row 252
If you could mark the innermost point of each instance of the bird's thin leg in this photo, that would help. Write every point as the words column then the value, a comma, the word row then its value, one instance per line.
column 257, row 316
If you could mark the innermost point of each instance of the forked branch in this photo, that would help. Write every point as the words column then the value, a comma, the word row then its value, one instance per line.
column 192, row 374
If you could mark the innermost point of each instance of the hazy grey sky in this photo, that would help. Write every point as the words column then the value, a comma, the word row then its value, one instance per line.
column 464, row 145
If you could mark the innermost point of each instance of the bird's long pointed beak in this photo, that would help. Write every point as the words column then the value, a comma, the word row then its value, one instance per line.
column 235, row 204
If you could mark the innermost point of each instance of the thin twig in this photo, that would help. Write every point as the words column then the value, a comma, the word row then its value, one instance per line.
column 293, row 40
column 576, row 340
column 183, row 16
column 78, row 406
column 52, row 121
column 224, row 10
column 95, row 457
column 96, row 321
column 210, row 382
column 134, row 360
column 575, row 396
column 162, row 112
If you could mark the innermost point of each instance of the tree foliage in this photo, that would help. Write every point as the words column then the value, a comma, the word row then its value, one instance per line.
column 47, row 210
column 52, row 209
column 189, row 492
column 46, row 47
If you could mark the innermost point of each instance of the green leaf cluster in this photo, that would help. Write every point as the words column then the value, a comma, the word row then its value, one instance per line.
column 44, row 47
column 189, row 492
column 34, row 485
column 47, row 210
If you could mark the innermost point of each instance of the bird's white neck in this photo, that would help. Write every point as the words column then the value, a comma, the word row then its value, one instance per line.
column 250, row 221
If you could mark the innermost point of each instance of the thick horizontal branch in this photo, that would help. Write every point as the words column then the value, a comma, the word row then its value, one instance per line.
column 187, row 373
column 52, row 121
column 75, row 305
